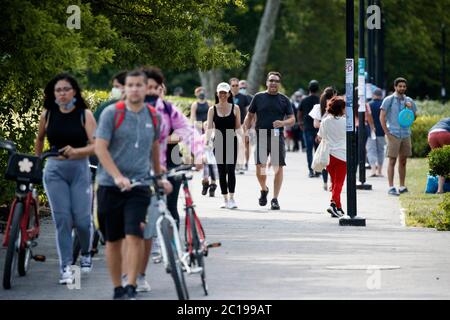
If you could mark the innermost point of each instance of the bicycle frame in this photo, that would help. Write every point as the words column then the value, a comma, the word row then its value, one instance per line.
column 183, row 256
column 29, row 201
column 189, row 205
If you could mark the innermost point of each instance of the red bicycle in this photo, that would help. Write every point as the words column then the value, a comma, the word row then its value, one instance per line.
column 22, row 228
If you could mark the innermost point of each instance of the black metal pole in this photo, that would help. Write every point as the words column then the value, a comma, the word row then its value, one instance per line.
column 362, row 100
column 371, row 51
column 443, row 90
column 380, row 51
column 353, row 220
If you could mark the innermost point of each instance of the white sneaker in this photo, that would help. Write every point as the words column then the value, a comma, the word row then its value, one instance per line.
column 67, row 276
column 232, row 204
column 86, row 263
column 224, row 205
column 142, row 284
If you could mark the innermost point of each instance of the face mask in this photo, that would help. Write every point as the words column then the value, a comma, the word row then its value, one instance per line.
column 116, row 93
column 67, row 106
column 151, row 99
column 201, row 96
column 243, row 90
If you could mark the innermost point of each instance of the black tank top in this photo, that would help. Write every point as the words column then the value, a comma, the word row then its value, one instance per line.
column 66, row 128
column 224, row 124
column 202, row 111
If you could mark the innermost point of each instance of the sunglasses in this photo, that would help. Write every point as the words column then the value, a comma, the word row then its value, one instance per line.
column 274, row 80
column 65, row 89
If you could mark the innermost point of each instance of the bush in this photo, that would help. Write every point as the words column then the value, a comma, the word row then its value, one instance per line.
column 441, row 215
column 439, row 161
column 419, row 135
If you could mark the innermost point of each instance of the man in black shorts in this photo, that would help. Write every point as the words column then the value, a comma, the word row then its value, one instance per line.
column 273, row 112
column 127, row 147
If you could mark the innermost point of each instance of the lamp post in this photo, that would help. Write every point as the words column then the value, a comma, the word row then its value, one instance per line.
column 352, row 219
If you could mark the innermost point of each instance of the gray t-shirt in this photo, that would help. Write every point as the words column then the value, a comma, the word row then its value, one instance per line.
column 130, row 145
column 269, row 108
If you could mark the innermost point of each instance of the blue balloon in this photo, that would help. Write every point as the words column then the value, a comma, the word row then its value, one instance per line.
column 406, row 118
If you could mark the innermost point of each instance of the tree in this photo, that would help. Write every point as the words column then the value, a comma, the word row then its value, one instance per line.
column 262, row 45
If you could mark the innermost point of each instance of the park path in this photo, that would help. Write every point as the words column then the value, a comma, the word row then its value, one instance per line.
column 299, row 252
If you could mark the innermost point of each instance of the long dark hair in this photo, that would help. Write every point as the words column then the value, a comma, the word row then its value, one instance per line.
column 49, row 92
column 230, row 98
column 326, row 95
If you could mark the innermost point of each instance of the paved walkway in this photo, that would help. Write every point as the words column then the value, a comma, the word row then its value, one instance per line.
column 299, row 252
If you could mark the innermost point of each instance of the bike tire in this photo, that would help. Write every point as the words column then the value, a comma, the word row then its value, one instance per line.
column 174, row 262
column 25, row 253
column 198, row 253
column 11, row 258
column 76, row 247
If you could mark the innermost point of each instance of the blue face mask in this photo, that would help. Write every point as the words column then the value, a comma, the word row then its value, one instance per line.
column 243, row 90
column 67, row 106
column 201, row 96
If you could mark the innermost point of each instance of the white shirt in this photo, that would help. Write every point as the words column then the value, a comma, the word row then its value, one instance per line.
column 315, row 113
column 332, row 130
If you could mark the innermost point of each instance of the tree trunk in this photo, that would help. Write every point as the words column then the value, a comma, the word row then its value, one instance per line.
column 262, row 46
column 210, row 79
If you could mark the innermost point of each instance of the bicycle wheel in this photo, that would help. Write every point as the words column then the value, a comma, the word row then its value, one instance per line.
column 174, row 261
column 76, row 247
column 199, row 259
column 13, row 246
column 25, row 253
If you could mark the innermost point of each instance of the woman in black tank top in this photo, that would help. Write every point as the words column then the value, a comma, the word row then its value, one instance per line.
column 69, row 128
column 224, row 117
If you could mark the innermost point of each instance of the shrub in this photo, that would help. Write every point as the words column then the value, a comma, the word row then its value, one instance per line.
column 441, row 215
column 439, row 161
column 419, row 135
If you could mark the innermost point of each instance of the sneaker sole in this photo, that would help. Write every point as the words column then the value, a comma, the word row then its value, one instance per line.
column 334, row 214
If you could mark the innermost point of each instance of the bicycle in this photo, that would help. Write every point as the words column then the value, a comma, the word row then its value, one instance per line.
column 23, row 226
column 176, row 258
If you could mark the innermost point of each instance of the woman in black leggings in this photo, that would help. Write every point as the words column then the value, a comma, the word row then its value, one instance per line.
column 225, row 118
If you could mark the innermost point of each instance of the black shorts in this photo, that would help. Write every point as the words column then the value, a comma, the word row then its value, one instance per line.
column 121, row 213
column 267, row 143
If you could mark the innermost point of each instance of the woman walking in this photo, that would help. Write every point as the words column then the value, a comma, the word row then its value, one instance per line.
column 199, row 115
column 69, row 127
column 332, row 132
column 318, row 113
column 225, row 118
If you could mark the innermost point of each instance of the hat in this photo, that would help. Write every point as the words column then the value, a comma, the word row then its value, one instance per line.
column 377, row 92
column 313, row 85
column 223, row 86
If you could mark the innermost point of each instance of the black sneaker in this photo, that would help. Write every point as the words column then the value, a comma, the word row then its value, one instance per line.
column 274, row 204
column 311, row 174
column 205, row 187
column 130, row 291
column 119, row 293
column 341, row 212
column 263, row 198
column 334, row 211
column 212, row 189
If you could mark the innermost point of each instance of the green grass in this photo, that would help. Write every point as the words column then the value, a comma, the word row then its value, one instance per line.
column 418, row 204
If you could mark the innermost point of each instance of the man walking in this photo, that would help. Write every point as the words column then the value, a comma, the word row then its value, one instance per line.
column 273, row 112
column 398, row 138
column 127, row 147
column 306, row 123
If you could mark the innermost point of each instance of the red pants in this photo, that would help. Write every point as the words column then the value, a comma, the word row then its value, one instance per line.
column 438, row 139
column 337, row 170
